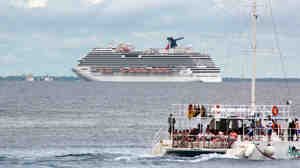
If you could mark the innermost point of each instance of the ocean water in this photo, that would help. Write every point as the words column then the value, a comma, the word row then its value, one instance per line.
column 95, row 124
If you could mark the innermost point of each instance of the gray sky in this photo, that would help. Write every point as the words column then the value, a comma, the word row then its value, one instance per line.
column 48, row 36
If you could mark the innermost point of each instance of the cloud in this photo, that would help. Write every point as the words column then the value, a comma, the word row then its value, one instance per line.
column 56, row 37
column 232, row 7
column 37, row 3
column 95, row 2
column 17, row 3
column 29, row 3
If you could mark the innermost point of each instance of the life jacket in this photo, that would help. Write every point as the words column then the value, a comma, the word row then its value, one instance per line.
column 275, row 110
column 190, row 113
column 297, row 124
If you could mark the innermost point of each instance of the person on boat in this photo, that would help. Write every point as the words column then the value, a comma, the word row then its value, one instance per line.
column 207, row 130
column 297, row 129
column 207, row 133
column 197, row 110
column 233, row 136
column 188, row 135
column 269, row 128
column 260, row 127
column 251, row 132
column 180, row 139
column 183, row 138
column 171, row 121
column 200, row 136
column 202, row 111
column 208, row 136
column 200, row 128
column 193, row 134
column 175, row 139
column 276, row 127
column 191, row 111
column 221, row 139
column 180, row 135
column 291, row 130
column 243, row 131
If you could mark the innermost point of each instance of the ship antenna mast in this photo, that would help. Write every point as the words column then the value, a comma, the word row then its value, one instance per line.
column 253, row 81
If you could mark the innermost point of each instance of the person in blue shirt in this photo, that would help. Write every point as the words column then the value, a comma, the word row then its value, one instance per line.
column 269, row 128
column 251, row 132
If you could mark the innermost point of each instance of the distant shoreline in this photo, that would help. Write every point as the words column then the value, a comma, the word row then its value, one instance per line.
column 39, row 78
column 73, row 78
column 260, row 79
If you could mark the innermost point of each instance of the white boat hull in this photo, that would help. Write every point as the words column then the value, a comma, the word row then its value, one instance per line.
column 165, row 148
column 210, row 78
column 244, row 150
column 263, row 151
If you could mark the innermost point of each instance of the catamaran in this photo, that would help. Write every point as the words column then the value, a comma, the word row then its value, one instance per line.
column 237, row 130
column 255, row 132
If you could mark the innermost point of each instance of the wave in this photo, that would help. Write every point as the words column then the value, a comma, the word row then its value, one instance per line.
column 209, row 157
column 139, row 155
column 77, row 155
column 196, row 159
column 73, row 153
column 3, row 158
column 110, row 155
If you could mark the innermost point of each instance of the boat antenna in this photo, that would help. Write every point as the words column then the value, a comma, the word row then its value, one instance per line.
column 254, row 19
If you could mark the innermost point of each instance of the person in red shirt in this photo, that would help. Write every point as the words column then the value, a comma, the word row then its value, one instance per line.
column 297, row 129
column 233, row 136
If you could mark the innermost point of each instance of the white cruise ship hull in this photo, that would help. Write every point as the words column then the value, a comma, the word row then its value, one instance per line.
column 175, row 77
column 122, row 64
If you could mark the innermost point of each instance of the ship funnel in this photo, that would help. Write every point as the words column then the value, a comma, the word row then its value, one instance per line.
column 173, row 42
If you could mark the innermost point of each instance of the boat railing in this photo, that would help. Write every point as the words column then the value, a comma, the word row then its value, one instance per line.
column 225, row 141
column 181, row 111
column 278, row 134
column 202, row 142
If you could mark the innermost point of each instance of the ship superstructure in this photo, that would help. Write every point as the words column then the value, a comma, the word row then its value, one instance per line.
column 123, row 63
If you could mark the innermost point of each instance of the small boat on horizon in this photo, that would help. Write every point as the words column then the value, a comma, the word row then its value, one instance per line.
column 48, row 78
column 29, row 78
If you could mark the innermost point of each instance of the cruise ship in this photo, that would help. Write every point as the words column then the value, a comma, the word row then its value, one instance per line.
column 121, row 63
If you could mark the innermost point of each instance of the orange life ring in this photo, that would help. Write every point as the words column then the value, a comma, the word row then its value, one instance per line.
column 275, row 110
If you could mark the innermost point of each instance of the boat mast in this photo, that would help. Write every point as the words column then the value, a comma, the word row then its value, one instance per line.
column 254, row 18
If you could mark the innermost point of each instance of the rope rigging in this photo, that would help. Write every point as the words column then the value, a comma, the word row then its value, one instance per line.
column 275, row 31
